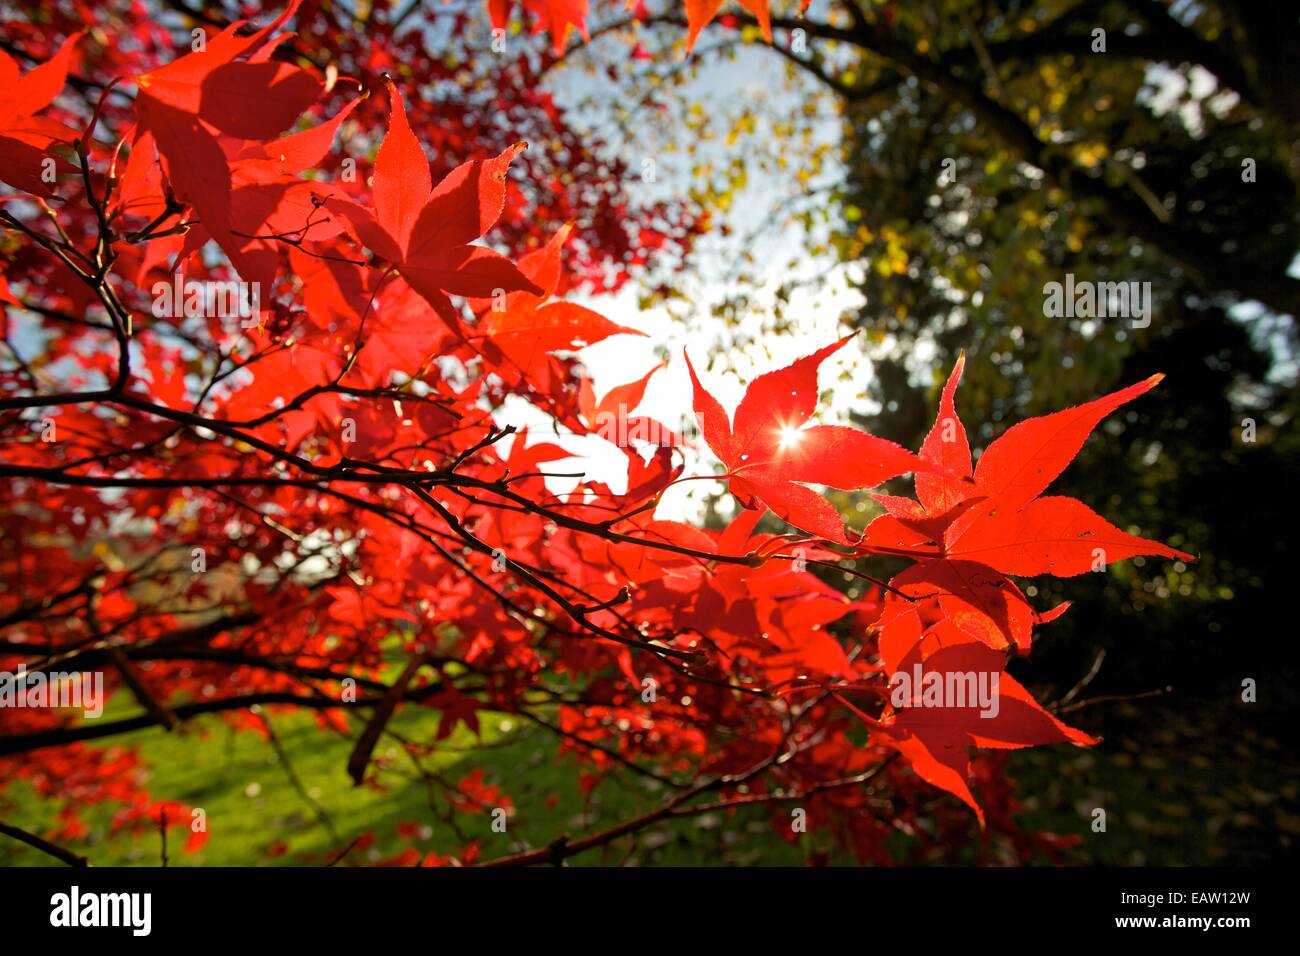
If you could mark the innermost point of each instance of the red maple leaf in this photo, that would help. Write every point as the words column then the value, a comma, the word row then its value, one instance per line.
column 935, row 738
column 525, row 327
column 25, row 137
column 426, row 232
column 974, row 526
column 558, row 16
column 771, row 457
column 201, row 107
column 700, row 13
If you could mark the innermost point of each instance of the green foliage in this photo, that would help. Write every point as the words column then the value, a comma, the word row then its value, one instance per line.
column 1133, row 172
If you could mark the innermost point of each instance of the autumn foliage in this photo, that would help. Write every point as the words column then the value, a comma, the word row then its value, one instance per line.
column 338, row 463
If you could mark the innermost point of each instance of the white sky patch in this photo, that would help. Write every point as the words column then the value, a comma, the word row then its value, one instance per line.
column 1189, row 92
column 845, row 377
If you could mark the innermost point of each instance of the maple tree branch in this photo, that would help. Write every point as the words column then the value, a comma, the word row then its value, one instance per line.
column 36, row 740
column 44, row 845
column 577, row 612
column 379, row 717
column 1113, row 699
column 563, row 847
column 151, row 704
column 599, row 748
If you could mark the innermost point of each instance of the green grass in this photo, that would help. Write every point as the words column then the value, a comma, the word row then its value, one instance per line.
column 1174, row 793
column 256, row 815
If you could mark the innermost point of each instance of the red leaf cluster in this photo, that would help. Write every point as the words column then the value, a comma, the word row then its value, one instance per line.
column 307, row 499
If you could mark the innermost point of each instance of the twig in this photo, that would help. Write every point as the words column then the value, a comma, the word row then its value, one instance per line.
column 1116, row 698
column 45, row 846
